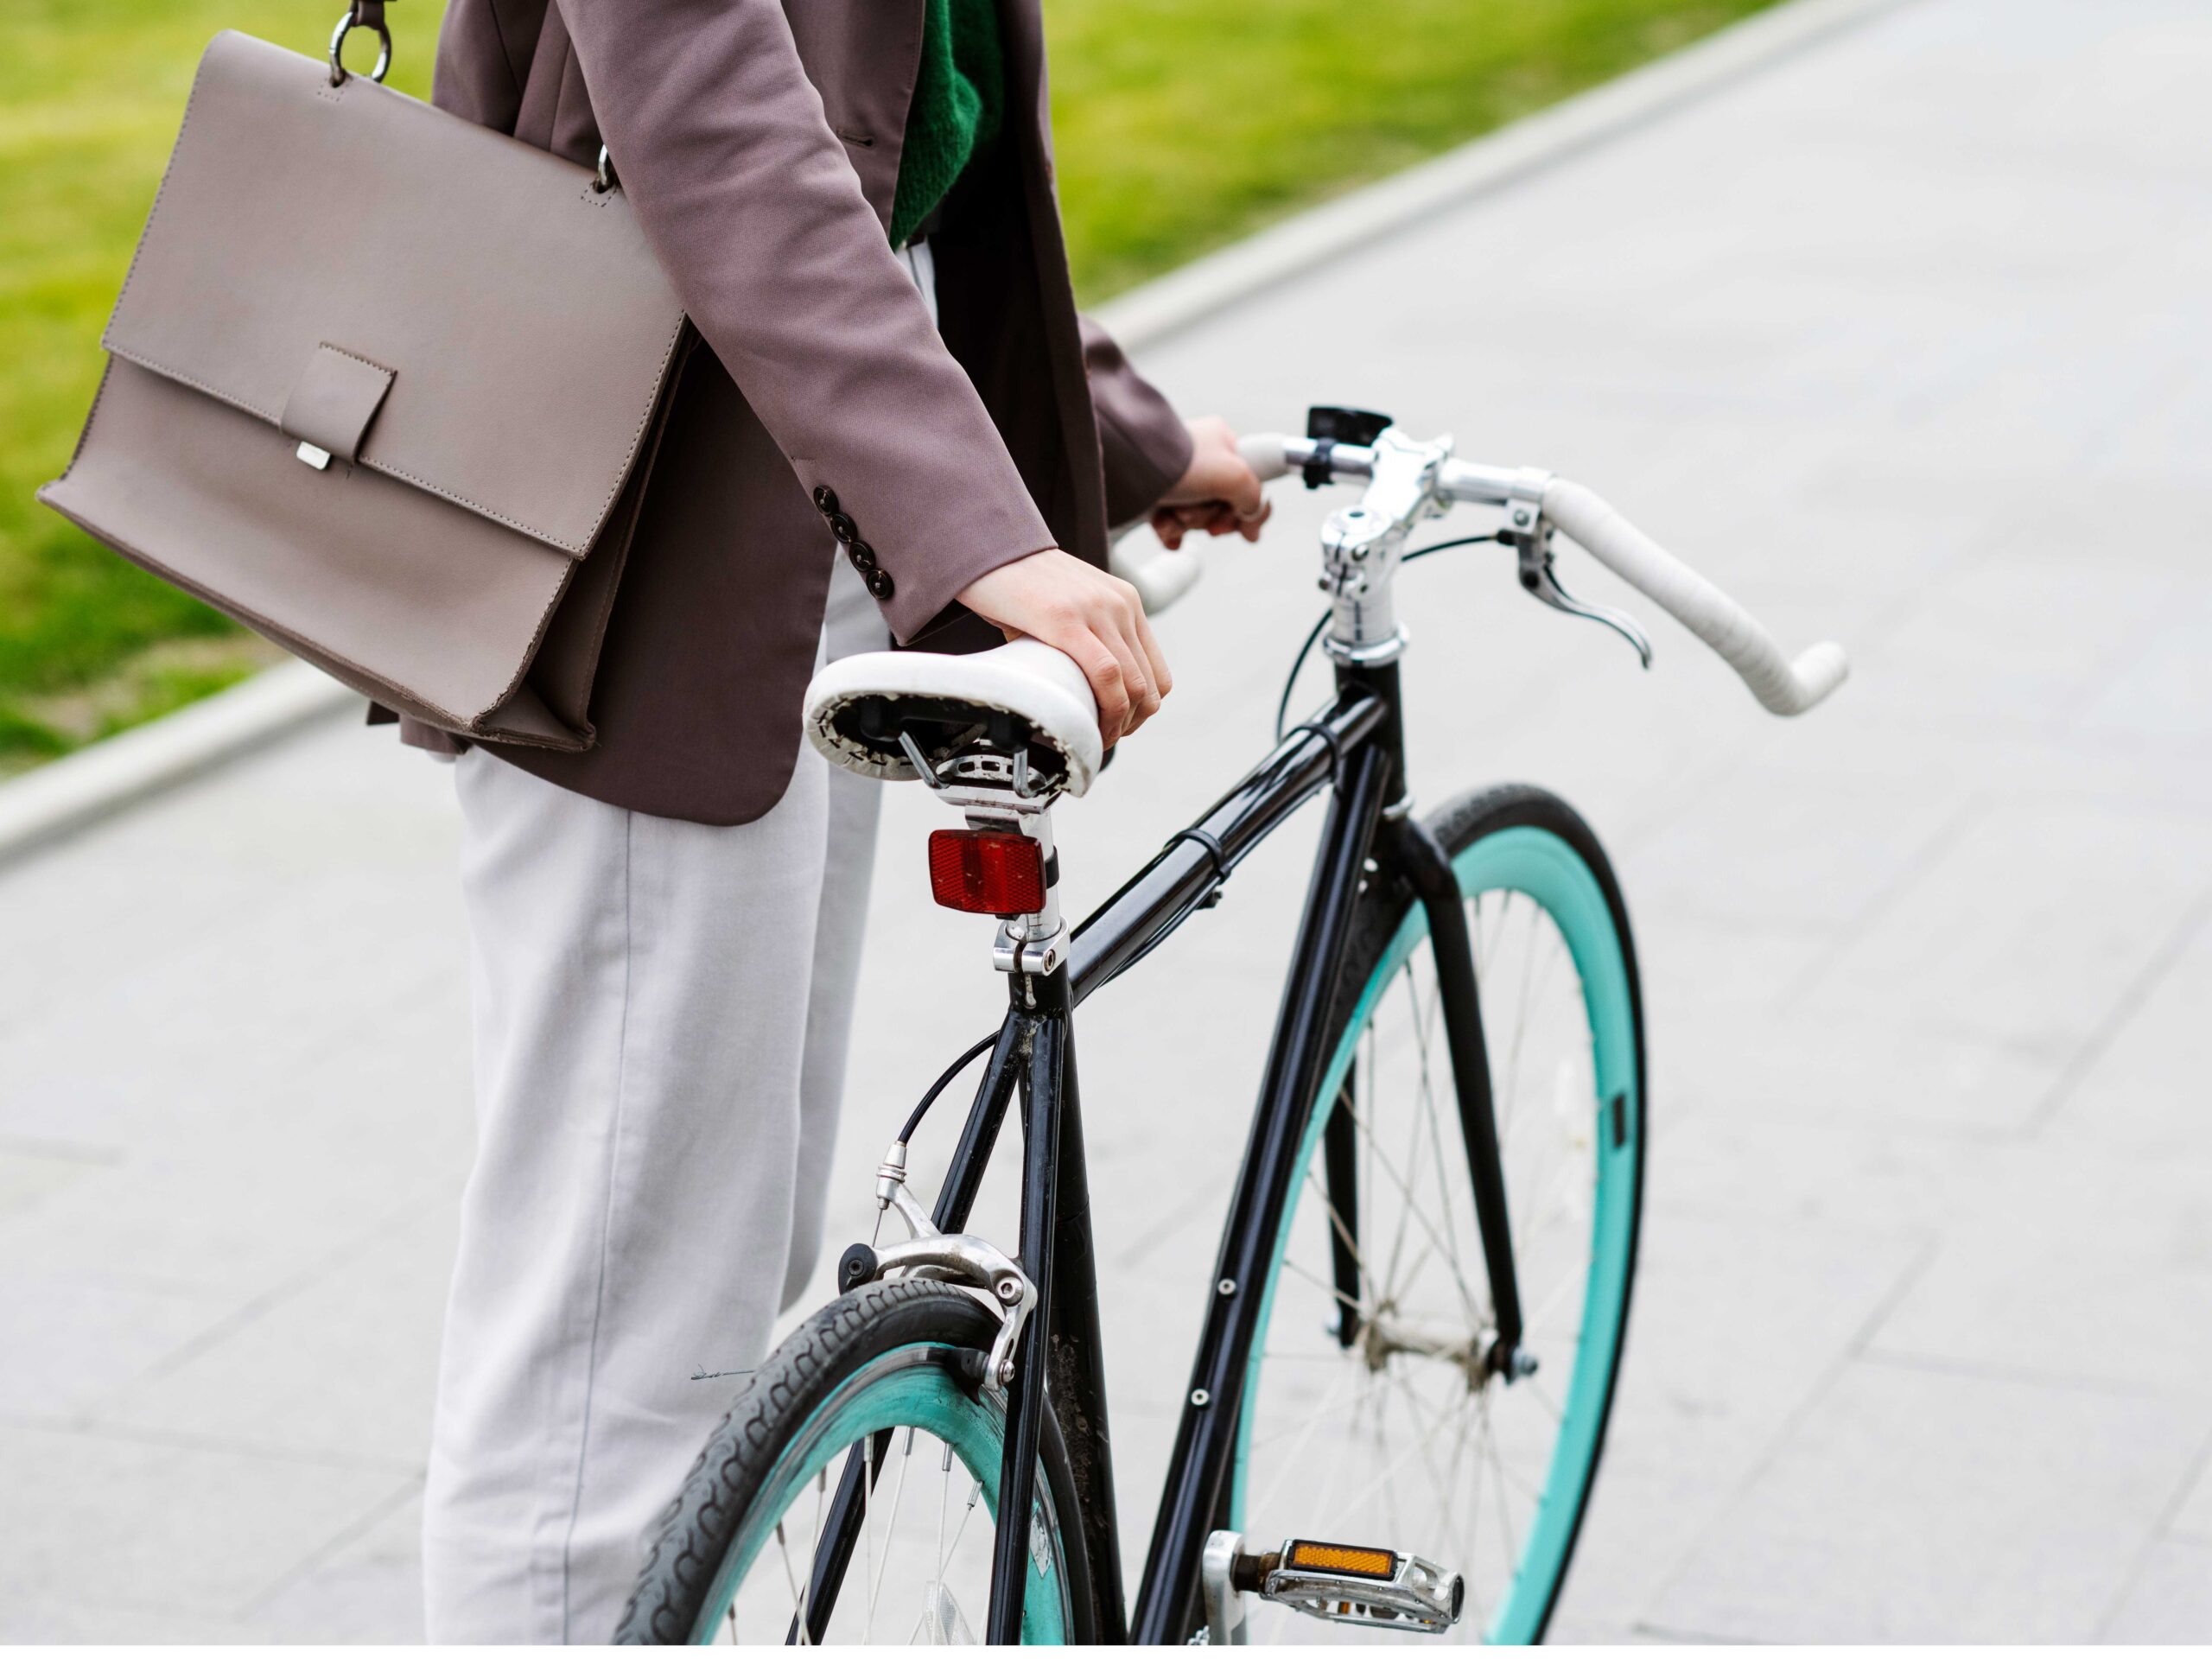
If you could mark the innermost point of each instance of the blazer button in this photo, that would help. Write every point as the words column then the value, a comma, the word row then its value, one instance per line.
column 862, row 556
column 825, row 499
column 880, row 584
column 844, row 527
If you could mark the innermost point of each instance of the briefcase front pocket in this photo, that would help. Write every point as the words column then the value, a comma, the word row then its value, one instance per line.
column 385, row 387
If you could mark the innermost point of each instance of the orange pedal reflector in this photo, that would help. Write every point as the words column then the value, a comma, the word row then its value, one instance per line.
column 987, row 872
column 1342, row 1558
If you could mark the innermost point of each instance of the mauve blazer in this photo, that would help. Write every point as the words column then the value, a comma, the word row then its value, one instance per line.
column 759, row 143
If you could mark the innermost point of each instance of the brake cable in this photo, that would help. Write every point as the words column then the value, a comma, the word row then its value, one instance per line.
column 1282, row 708
column 914, row 1121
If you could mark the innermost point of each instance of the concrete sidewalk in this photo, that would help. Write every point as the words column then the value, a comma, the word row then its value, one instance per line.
column 1906, row 341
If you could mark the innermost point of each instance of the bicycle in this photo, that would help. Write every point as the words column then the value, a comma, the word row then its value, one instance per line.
column 1438, row 1243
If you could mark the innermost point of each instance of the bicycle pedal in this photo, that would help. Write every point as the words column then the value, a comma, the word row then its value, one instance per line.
column 1345, row 1584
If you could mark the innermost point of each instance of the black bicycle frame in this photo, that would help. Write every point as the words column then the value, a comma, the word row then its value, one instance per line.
column 1354, row 748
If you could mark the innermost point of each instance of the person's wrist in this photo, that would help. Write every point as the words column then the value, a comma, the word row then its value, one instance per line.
column 1096, row 619
column 1218, row 492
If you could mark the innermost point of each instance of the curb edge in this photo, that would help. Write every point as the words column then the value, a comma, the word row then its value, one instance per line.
column 1164, row 307
column 65, row 796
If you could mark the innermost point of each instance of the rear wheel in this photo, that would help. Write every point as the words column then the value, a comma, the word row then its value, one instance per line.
column 879, row 1376
column 1369, row 1414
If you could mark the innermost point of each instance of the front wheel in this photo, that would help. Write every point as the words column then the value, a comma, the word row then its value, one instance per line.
column 1372, row 1412
column 879, row 1379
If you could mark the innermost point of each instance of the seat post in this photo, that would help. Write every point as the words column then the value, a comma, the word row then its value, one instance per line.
column 1036, row 944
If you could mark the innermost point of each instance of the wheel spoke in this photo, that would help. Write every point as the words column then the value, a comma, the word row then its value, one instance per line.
column 1319, row 1284
column 1512, row 1090
column 891, row 1526
column 943, row 1497
column 868, row 1532
column 784, row 1548
column 1554, row 1299
column 1424, row 1029
column 1413, row 1211
column 975, row 1497
column 1338, row 1228
column 1467, row 1534
column 814, row 1549
column 1313, row 1420
column 1437, row 1165
column 1420, row 1444
column 1538, row 1392
column 1438, row 1477
column 1504, row 1510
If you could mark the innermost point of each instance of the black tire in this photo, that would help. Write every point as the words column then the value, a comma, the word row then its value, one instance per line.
column 704, row 1524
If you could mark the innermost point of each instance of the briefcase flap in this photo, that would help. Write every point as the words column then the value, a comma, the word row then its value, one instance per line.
column 501, row 340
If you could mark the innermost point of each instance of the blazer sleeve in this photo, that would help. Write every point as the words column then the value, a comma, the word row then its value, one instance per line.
column 1146, row 445
column 757, row 216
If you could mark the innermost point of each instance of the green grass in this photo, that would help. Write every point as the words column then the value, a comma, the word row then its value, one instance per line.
column 1182, row 125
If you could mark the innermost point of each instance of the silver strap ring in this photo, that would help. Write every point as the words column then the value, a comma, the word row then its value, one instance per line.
column 337, row 70
column 604, row 179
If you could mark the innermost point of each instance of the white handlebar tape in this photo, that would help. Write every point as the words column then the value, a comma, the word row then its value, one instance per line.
column 1160, row 580
column 1784, row 687
column 1167, row 576
column 1264, row 453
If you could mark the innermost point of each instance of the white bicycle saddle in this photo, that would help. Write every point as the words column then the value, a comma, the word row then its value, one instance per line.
column 1022, row 693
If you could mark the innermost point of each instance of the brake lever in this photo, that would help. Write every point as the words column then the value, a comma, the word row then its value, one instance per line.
column 1538, row 578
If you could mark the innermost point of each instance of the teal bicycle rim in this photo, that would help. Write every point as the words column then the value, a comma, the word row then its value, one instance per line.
column 1544, row 869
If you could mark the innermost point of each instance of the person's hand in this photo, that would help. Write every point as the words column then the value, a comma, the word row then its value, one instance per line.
column 1096, row 618
column 1218, row 493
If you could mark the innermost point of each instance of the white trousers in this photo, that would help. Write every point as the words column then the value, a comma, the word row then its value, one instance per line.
column 661, row 1016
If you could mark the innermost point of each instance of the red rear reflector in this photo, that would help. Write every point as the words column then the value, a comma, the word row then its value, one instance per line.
column 985, row 871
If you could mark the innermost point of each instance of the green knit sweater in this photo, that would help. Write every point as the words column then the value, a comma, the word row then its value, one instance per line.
column 954, row 112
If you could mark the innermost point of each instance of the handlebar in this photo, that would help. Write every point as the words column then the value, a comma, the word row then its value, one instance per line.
column 1783, row 685
column 1160, row 580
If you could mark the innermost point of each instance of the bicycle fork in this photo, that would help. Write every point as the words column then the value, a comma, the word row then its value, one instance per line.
column 1417, row 855
column 1197, row 1498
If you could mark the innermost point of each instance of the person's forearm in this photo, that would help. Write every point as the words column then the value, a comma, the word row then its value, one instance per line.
column 1143, row 443
column 749, row 201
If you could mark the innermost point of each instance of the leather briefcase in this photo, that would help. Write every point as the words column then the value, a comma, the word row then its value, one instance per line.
column 385, row 387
